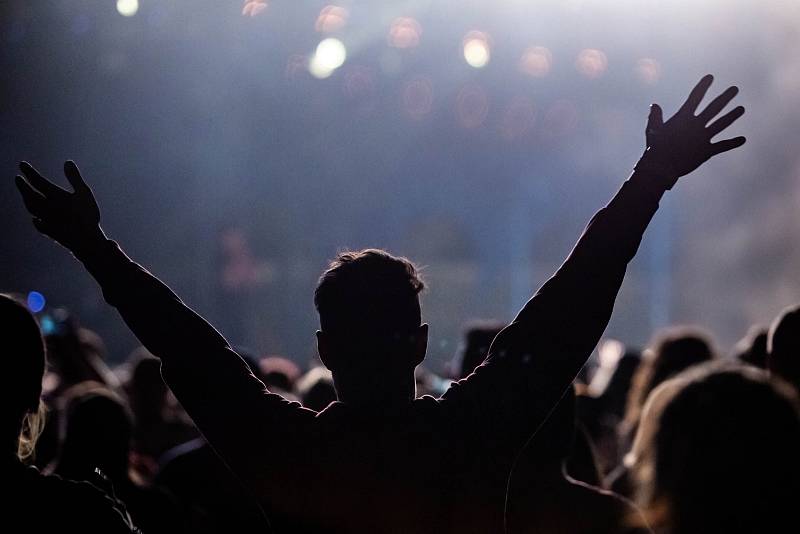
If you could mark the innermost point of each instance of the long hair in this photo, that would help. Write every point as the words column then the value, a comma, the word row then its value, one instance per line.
column 717, row 452
column 32, row 427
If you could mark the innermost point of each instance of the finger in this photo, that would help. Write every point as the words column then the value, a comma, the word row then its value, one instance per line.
column 718, row 104
column 39, row 182
column 33, row 200
column 656, row 118
column 697, row 94
column 723, row 122
column 728, row 144
column 74, row 177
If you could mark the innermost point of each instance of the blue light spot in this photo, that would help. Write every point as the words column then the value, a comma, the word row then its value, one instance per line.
column 36, row 301
column 48, row 325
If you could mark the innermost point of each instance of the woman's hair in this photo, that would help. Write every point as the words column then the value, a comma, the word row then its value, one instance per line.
column 718, row 449
column 673, row 351
column 32, row 427
column 23, row 361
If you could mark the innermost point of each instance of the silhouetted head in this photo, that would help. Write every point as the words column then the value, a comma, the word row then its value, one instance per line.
column 371, row 335
column 478, row 337
column 674, row 351
column 717, row 452
column 316, row 389
column 96, row 433
column 145, row 387
column 278, row 373
column 615, row 395
column 784, row 346
column 23, row 353
column 752, row 348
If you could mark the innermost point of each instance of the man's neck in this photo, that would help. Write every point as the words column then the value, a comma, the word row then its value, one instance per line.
column 376, row 394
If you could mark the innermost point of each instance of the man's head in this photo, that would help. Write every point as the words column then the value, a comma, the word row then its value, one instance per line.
column 370, row 322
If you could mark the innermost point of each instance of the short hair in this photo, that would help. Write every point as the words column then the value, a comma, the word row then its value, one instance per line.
column 369, row 296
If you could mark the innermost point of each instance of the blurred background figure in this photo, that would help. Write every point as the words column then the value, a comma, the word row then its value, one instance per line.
column 717, row 452
column 601, row 406
column 674, row 350
column 75, row 355
column 96, row 435
column 752, row 349
column 159, row 422
column 478, row 337
column 279, row 374
column 316, row 389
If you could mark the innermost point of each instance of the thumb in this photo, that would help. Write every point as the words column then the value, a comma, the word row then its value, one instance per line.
column 656, row 119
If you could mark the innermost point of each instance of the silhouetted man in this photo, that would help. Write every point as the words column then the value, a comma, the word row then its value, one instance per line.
column 379, row 461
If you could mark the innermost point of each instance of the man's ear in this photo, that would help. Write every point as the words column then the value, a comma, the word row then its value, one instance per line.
column 421, row 343
column 324, row 350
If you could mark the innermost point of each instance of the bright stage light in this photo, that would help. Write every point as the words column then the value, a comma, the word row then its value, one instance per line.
column 127, row 8
column 329, row 56
column 477, row 49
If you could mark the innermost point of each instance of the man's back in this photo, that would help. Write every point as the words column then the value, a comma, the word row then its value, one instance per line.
column 413, row 468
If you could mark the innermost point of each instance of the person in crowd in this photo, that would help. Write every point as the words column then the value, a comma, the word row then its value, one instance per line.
column 74, row 354
column 478, row 337
column 159, row 424
column 378, row 460
column 784, row 346
column 40, row 503
column 542, row 497
column 752, row 348
column 316, row 389
column 717, row 453
column 279, row 374
column 674, row 350
column 601, row 413
column 96, row 435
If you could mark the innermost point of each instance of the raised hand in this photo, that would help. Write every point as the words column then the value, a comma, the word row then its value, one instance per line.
column 683, row 143
column 72, row 219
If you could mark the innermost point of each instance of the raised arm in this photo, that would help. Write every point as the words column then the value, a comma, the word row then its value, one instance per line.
column 212, row 382
column 534, row 359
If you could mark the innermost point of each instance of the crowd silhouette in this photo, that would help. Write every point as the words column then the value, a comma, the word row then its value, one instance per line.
column 679, row 441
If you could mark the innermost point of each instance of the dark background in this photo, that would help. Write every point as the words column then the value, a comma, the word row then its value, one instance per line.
column 193, row 121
